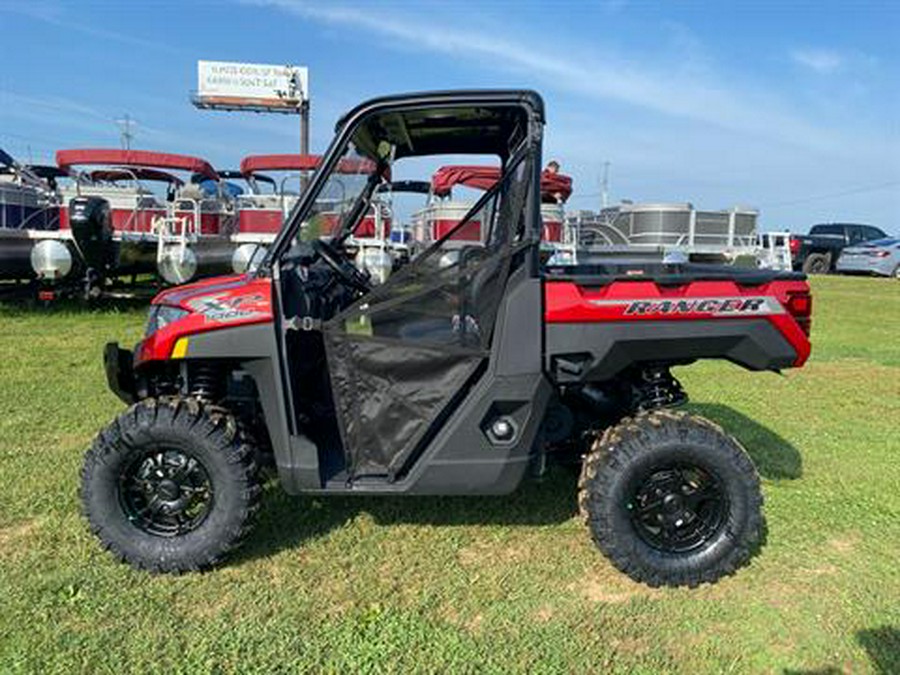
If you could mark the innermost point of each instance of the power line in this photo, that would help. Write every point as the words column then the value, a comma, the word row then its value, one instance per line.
column 42, row 142
column 832, row 195
column 842, row 193
column 125, row 124
column 604, row 186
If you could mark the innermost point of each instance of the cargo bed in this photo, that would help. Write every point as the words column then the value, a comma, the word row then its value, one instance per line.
column 598, row 274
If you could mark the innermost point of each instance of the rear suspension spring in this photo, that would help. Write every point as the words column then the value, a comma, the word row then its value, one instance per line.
column 657, row 388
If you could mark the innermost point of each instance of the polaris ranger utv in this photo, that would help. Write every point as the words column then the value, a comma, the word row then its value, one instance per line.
column 459, row 375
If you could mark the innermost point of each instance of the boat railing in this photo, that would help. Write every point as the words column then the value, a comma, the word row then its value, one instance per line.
column 46, row 218
column 381, row 239
column 732, row 242
column 173, row 230
column 587, row 235
column 282, row 195
column 690, row 229
column 589, row 229
column 775, row 251
column 693, row 237
column 141, row 203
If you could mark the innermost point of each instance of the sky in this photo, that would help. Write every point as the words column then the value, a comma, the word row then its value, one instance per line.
column 789, row 107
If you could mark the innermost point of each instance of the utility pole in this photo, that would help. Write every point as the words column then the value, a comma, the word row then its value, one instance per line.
column 304, row 128
column 125, row 124
column 298, row 87
column 604, row 186
column 304, row 140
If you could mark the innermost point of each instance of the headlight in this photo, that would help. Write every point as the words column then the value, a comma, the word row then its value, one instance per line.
column 161, row 316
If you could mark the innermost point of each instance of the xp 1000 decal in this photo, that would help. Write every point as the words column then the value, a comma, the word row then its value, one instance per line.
column 225, row 308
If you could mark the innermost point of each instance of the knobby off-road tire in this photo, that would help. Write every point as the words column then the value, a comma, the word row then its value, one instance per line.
column 171, row 485
column 671, row 499
column 817, row 263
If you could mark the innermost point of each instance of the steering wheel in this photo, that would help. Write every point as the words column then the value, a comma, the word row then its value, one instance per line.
column 346, row 270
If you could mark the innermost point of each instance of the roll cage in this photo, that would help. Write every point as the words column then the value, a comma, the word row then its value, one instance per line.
column 470, row 122
column 439, row 311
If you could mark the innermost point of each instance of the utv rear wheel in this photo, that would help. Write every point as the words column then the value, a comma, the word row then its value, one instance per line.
column 171, row 485
column 817, row 263
column 671, row 499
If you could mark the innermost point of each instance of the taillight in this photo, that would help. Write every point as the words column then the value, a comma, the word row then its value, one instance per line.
column 879, row 254
column 794, row 245
column 799, row 306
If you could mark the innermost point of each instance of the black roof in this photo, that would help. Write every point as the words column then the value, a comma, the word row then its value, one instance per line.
column 449, row 97
column 448, row 122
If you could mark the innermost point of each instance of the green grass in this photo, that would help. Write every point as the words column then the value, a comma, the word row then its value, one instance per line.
column 469, row 585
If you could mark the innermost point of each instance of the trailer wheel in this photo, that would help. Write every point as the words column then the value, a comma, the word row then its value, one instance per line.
column 171, row 485
column 817, row 263
column 671, row 499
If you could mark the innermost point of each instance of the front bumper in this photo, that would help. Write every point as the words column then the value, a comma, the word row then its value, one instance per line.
column 119, row 366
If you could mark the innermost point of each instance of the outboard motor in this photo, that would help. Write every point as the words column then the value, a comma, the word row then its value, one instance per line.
column 89, row 219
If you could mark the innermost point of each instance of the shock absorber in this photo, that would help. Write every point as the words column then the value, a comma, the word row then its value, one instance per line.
column 656, row 387
column 205, row 381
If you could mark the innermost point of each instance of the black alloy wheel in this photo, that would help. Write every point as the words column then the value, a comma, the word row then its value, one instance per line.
column 166, row 493
column 679, row 508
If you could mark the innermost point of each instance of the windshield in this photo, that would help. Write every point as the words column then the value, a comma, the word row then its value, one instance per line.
column 344, row 192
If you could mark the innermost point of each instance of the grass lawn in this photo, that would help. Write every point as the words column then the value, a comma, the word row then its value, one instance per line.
column 469, row 585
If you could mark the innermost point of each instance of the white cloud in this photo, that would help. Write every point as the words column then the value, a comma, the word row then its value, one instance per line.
column 666, row 89
column 58, row 16
column 822, row 61
column 687, row 129
column 81, row 122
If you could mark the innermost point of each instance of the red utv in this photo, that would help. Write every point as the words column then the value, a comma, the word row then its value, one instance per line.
column 461, row 374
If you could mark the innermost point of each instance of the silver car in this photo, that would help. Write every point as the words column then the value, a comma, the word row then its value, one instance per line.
column 881, row 257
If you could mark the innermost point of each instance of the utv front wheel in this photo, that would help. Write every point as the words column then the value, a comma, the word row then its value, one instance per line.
column 671, row 499
column 170, row 486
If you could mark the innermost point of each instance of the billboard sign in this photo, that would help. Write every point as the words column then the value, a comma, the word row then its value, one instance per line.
column 251, row 85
